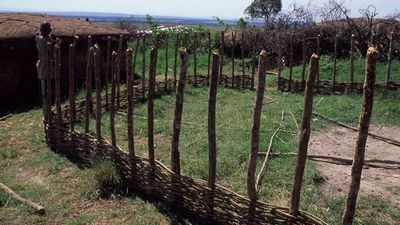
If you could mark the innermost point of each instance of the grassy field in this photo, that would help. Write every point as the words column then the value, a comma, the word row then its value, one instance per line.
column 343, row 70
column 71, row 194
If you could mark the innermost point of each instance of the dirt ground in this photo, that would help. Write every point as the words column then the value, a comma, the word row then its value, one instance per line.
column 340, row 142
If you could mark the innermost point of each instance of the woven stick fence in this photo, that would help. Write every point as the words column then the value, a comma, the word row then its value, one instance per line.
column 332, row 85
column 201, row 199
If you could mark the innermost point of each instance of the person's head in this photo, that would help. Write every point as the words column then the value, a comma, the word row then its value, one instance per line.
column 45, row 28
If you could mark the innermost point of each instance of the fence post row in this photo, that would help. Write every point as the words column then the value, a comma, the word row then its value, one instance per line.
column 304, row 135
column 88, row 87
column 365, row 116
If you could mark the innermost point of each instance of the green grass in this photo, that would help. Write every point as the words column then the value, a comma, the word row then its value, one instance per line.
column 343, row 70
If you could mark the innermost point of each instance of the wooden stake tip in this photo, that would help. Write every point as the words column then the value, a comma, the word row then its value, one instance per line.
column 263, row 53
column 215, row 52
column 372, row 51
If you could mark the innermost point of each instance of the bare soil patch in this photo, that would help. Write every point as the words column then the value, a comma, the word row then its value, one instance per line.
column 340, row 142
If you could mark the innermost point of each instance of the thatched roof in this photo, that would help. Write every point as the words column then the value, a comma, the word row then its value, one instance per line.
column 25, row 25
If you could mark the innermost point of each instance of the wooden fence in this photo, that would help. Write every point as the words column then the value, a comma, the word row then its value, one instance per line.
column 202, row 199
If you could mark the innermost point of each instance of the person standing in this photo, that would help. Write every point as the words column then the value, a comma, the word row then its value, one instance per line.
column 43, row 38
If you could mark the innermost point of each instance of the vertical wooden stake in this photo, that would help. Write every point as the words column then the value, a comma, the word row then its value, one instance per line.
column 389, row 62
column 143, row 67
column 279, row 60
column 58, row 83
column 352, row 59
column 233, row 59
column 166, row 63
column 89, row 70
column 49, row 75
column 319, row 54
column 175, row 162
column 112, row 98
column 107, row 75
column 150, row 104
column 334, row 64
column 176, row 56
column 72, row 108
column 304, row 136
column 358, row 162
column 97, row 73
column 212, row 138
column 209, row 58
column 303, row 71
column 291, row 62
column 195, row 58
column 118, row 68
column 130, row 76
column 255, row 129
column 221, row 63
column 88, row 94
column 242, row 52
column 253, row 63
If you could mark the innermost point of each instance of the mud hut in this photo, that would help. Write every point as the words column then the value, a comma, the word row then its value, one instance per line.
column 18, row 53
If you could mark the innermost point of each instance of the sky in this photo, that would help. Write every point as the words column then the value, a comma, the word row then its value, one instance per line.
column 227, row 9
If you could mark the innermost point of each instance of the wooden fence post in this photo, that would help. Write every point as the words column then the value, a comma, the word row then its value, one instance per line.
column 107, row 75
column 291, row 62
column 209, row 58
column 242, row 57
column 143, row 67
column 176, row 129
column 130, row 74
column 279, row 60
column 318, row 54
column 176, row 56
column 334, row 64
column 253, row 63
column 166, row 64
column 88, row 87
column 97, row 73
column 304, row 136
column 118, row 68
column 57, row 80
column 150, row 104
column 352, row 59
column 89, row 70
column 358, row 162
column 195, row 58
column 221, row 63
column 47, row 102
column 72, row 107
column 303, row 71
column 389, row 58
column 233, row 59
column 212, row 138
column 112, row 100
column 255, row 130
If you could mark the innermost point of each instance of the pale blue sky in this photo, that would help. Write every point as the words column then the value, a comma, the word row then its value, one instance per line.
column 193, row 8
